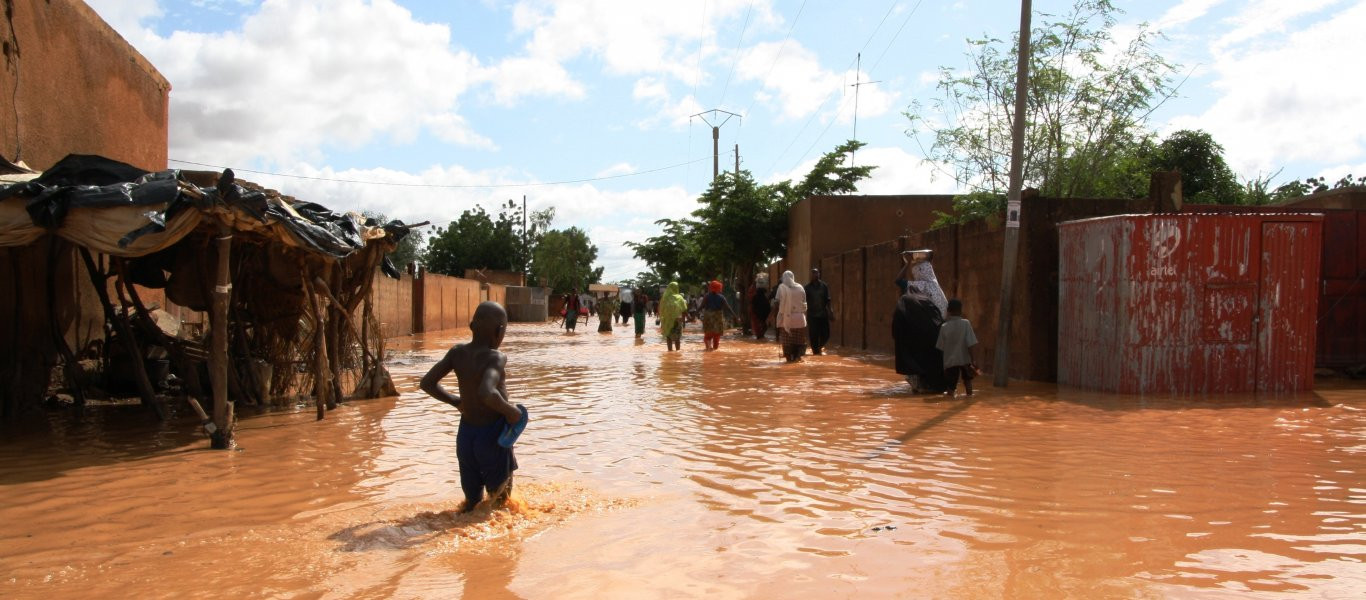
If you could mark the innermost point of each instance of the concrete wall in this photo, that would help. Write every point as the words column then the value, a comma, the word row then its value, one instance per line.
column 78, row 88
column 822, row 226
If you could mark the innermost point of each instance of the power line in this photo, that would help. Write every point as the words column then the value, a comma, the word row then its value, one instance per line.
column 870, row 72
column 736, row 58
column 442, row 185
column 781, row 48
column 832, row 93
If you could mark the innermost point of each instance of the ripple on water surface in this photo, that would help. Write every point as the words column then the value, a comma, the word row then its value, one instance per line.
column 724, row 474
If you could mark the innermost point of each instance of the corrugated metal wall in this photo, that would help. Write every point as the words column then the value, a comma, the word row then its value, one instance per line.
column 1188, row 304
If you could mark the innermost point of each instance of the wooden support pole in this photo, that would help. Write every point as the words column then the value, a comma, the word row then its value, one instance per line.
column 183, row 363
column 334, row 338
column 218, row 352
column 125, row 332
column 71, row 371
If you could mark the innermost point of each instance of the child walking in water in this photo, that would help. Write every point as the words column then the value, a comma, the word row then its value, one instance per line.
column 483, row 405
column 956, row 340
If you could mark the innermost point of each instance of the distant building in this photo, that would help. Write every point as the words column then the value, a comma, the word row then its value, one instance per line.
column 78, row 88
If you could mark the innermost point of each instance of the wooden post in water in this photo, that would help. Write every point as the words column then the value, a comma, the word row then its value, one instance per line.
column 218, row 352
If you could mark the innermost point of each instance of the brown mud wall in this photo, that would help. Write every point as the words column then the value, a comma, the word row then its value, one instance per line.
column 393, row 305
column 967, row 262
column 77, row 88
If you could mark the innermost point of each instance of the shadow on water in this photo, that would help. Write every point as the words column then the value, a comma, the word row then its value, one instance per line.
column 107, row 435
column 118, row 434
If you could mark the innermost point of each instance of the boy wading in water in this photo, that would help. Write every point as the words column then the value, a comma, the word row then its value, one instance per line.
column 956, row 340
column 483, row 405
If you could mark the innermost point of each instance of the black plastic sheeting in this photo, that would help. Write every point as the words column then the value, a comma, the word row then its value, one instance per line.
column 89, row 181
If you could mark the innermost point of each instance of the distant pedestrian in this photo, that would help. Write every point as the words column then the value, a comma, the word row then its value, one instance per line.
column 639, row 304
column 714, row 310
column 672, row 308
column 792, row 317
column 818, row 312
column 571, row 310
column 956, row 340
column 759, row 310
column 607, row 310
column 624, row 312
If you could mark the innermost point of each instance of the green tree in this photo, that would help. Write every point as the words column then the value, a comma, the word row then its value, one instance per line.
column 478, row 240
column 473, row 241
column 409, row 249
column 1205, row 177
column 1087, row 105
column 564, row 260
column 741, row 223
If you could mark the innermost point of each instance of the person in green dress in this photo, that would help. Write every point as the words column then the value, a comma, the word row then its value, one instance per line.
column 671, row 309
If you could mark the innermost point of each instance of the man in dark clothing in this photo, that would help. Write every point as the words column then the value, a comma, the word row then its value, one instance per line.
column 818, row 312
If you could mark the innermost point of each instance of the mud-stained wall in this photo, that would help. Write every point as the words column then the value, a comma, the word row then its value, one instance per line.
column 77, row 88
column 967, row 262
column 832, row 270
column 821, row 226
column 448, row 302
column 393, row 304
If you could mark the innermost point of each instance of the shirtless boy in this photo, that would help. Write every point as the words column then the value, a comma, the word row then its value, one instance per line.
column 483, row 406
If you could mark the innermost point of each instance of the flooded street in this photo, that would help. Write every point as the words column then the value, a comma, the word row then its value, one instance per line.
column 721, row 475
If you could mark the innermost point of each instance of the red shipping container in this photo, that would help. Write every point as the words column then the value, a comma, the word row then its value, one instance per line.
column 1189, row 303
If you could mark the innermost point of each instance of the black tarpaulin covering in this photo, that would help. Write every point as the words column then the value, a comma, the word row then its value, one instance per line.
column 95, row 182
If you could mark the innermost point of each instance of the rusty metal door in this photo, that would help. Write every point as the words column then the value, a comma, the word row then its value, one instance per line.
column 1287, row 306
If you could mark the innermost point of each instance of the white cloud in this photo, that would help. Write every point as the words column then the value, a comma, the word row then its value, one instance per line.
column 125, row 15
column 797, row 85
column 897, row 172
column 513, row 78
column 1267, row 16
column 302, row 76
column 671, row 39
column 655, row 93
column 1282, row 99
column 1185, row 12
column 621, row 168
column 611, row 218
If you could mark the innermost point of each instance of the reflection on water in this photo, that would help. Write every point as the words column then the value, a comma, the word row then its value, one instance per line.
column 721, row 474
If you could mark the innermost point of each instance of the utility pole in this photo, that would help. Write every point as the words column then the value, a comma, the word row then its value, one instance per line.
column 1001, row 366
column 526, row 250
column 715, row 135
column 858, row 68
column 737, row 160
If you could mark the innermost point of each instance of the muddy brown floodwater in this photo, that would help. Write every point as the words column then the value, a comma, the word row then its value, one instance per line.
column 704, row 475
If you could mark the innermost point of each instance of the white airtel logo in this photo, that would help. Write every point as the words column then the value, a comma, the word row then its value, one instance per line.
column 1166, row 240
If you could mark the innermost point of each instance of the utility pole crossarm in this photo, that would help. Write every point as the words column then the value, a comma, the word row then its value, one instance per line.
column 716, row 115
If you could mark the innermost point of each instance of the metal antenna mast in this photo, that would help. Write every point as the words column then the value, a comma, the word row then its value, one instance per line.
column 716, row 114
column 858, row 68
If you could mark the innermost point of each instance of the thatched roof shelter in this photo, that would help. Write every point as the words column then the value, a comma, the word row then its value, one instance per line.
column 285, row 284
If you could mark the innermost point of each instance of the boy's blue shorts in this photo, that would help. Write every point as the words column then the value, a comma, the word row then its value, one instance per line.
column 484, row 465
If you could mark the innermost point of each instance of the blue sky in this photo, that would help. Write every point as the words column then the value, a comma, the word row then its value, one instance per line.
column 458, row 103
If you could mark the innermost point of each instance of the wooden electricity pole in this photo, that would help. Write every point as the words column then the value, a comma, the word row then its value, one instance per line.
column 1001, row 365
